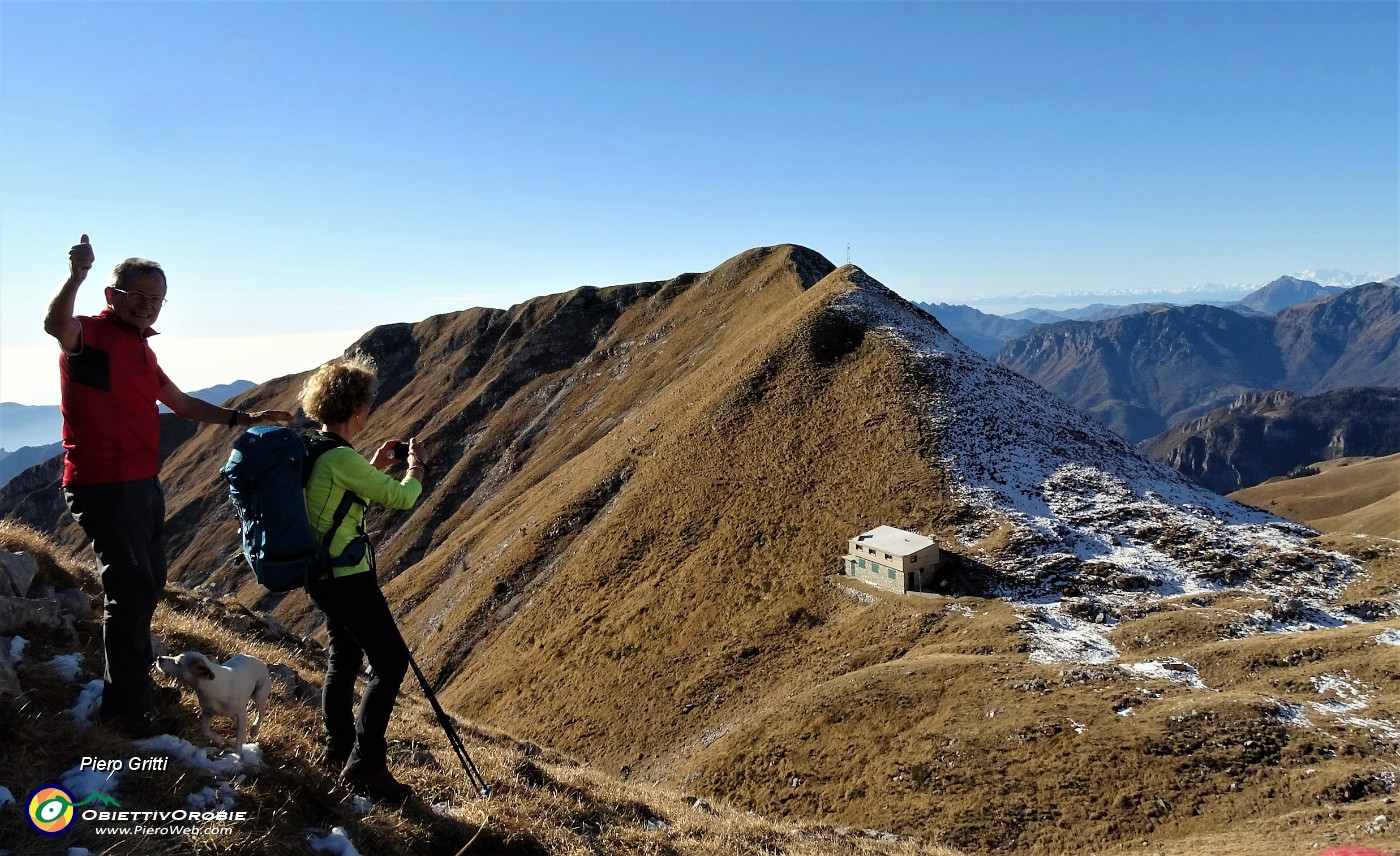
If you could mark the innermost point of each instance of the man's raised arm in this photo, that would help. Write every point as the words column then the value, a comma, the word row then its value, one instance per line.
column 60, row 322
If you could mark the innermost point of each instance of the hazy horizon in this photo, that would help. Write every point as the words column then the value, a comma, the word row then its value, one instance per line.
column 262, row 358
column 314, row 168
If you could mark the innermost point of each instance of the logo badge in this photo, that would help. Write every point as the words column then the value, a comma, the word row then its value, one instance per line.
column 50, row 809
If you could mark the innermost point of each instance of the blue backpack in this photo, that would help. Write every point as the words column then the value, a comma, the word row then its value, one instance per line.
column 266, row 474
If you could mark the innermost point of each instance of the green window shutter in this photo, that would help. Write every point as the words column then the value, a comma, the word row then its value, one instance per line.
column 891, row 573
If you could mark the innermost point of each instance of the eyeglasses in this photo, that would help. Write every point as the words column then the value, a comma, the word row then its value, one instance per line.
column 141, row 298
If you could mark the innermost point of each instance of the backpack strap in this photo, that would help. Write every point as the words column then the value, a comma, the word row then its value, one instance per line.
column 317, row 444
column 347, row 502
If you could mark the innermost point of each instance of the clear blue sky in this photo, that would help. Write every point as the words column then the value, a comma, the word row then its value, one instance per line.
column 305, row 171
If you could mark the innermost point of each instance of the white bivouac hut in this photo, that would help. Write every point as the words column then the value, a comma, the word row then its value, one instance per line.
column 892, row 559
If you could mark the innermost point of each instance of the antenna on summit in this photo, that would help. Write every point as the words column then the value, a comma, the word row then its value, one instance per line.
column 848, row 252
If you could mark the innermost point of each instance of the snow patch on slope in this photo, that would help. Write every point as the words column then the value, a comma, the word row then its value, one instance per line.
column 1073, row 519
column 1342, row 698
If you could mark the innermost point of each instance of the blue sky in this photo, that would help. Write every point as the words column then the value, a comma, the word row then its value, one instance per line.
column 305, row 171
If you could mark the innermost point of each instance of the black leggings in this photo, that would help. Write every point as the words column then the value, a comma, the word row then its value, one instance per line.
column 361, row 626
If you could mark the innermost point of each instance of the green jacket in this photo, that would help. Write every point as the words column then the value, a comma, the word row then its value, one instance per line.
column 343, row 469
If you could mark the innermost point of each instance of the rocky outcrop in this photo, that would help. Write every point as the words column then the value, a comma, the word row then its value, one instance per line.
column 32, row 609
column 1262, row 435
column 17, row 573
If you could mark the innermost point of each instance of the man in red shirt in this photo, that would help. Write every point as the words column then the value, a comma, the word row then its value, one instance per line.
column 111, row 437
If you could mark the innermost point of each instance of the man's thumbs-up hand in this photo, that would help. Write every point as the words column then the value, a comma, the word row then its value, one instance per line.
column 80, row 257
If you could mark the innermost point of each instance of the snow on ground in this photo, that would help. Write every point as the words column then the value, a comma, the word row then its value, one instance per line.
column 229, row 769
column 67, row 665
column 1292, row 714
column 1168, row 670
column 1388, row 637
column 1078, row 515
column 1065, row 639
column 89, row 699
column 1346, row 694
column 1343, row 698
column 1294, row 622
column 17, row 646
column 225, row 764
column 337, row 842
column 219, row 797
column 84, row 783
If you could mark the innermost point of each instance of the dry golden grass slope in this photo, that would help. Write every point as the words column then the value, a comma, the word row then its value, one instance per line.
column 1346, row 495
column 542, row 802
column 629, row 545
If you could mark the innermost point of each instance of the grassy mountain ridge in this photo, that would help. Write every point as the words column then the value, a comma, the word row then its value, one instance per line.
column 636, row 507
column 1340, row 495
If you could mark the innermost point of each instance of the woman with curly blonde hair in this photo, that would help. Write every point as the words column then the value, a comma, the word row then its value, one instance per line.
column 339, row 395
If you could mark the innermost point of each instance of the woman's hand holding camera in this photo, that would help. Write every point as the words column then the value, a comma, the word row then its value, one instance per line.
column 415, row 458
column 395, row 450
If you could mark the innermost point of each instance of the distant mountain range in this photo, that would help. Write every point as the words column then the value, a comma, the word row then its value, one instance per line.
column 29, row 425
column 1216, row 294
column 21, row 459
column 1332, row 276
column 988, row 333
column 1141, row 374
column 1092, row 312
column 1155, row 372
column 31, row 434
column 1287, row 291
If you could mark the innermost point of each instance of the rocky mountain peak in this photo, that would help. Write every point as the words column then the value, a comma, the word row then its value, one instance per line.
column 1053, row 501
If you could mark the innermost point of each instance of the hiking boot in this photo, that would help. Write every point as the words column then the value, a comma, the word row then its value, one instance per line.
column 379, row 784
column 332, row 761
column 140, row 726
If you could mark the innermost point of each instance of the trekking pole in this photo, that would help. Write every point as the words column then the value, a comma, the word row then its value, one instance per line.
column 473, row 774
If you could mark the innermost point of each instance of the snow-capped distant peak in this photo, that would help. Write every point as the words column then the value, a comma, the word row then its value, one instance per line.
column 1332, row 276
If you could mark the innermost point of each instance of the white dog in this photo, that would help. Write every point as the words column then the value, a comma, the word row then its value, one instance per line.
column 223, row 691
